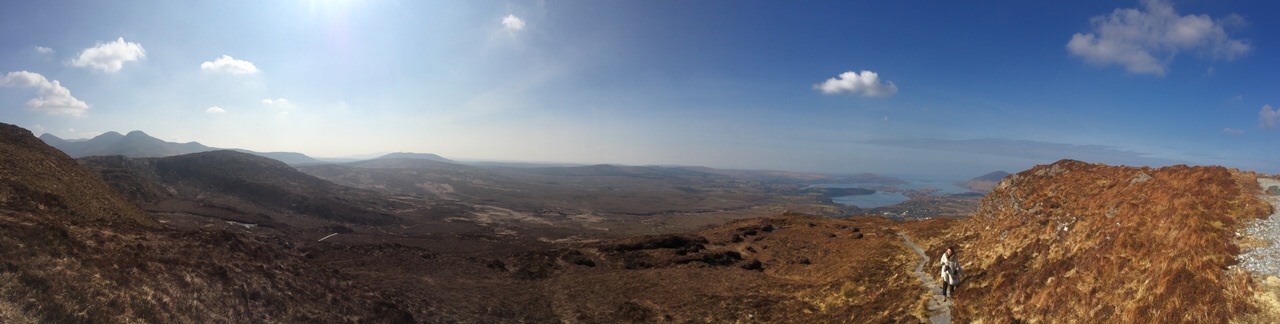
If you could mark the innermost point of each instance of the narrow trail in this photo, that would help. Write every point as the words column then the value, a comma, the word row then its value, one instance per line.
column 939, row 310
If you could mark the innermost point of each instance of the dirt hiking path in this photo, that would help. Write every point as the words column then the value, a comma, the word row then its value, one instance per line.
column 939, row 310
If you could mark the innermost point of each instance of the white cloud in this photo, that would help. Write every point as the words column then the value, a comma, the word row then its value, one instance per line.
column 1145, row 40
column 230, row 65
column 1268, row 118
column 281, row 104
column 276, row 102
column 215, row 110
column 866, row 84
column 110, row 57
column 512, row 23
column 52, row 98
column 44, row 50
column 1232, row 131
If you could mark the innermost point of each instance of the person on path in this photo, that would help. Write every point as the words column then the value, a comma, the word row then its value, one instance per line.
column 950, row 274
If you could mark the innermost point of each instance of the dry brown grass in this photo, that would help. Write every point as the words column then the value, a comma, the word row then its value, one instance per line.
column 56, row 272
column 808, row 276
column 1079, row 242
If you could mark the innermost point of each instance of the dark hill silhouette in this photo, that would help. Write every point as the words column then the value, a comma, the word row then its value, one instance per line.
column 137, row 144
column 230, row 184
column 76, row 252
column 985, row 182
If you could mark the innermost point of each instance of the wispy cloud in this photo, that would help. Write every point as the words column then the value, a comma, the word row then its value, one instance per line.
column 1144, row 40
column 1232, row 131
column 275, row 102
column 865, row 84
column 51, row 97
column 512, row 23
column 43, row 50
column 281, row 104
column 1268, row 117
column 109, row 57
column 215, row 110
column 229, row 65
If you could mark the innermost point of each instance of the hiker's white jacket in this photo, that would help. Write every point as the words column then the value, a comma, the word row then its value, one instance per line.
column 950, row 270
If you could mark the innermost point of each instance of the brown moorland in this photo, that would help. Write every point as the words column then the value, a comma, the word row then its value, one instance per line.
column 76, row 252
column 1065, row 242
column 1080, row 242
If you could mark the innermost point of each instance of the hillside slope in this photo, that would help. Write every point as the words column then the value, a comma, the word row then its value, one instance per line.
column 77, row 252
column 39, row 178
column 1080, row 242
column 237, row 186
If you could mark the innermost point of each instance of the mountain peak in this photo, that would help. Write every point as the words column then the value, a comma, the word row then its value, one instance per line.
column 137, row 133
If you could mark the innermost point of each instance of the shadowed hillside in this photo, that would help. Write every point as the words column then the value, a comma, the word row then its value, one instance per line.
column 77, row 252
column 229, row 185
column 137, row 144
column 37, row 178
column 1080, row 242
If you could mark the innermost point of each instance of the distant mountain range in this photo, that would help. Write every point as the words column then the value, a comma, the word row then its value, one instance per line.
column 986, row 182
column 137, row 144
column 134, row 144
column 421, row 156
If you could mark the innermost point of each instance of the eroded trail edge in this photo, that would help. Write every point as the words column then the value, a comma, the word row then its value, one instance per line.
column 939, row 310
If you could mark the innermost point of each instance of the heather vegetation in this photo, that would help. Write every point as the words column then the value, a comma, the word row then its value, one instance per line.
column 226, row 237
column 1074, row 241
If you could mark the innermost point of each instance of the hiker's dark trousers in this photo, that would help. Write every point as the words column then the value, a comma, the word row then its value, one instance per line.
column 948, row 289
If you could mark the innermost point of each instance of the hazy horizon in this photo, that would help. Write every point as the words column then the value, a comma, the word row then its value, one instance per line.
column 892, row 88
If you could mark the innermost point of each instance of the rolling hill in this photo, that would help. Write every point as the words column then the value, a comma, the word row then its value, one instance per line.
column 78, row 252
column 137, row 144
column 238, row 186
column 985, row 182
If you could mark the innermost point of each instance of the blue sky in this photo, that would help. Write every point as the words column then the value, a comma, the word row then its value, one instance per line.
column 902, row 87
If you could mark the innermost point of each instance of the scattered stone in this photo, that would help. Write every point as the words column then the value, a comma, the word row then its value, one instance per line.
column 1142, row 177
column 1264, row 260
column 806, row 261
column 754, row 265
column 858, row 236
column 736, row 238
column 1052, row 170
